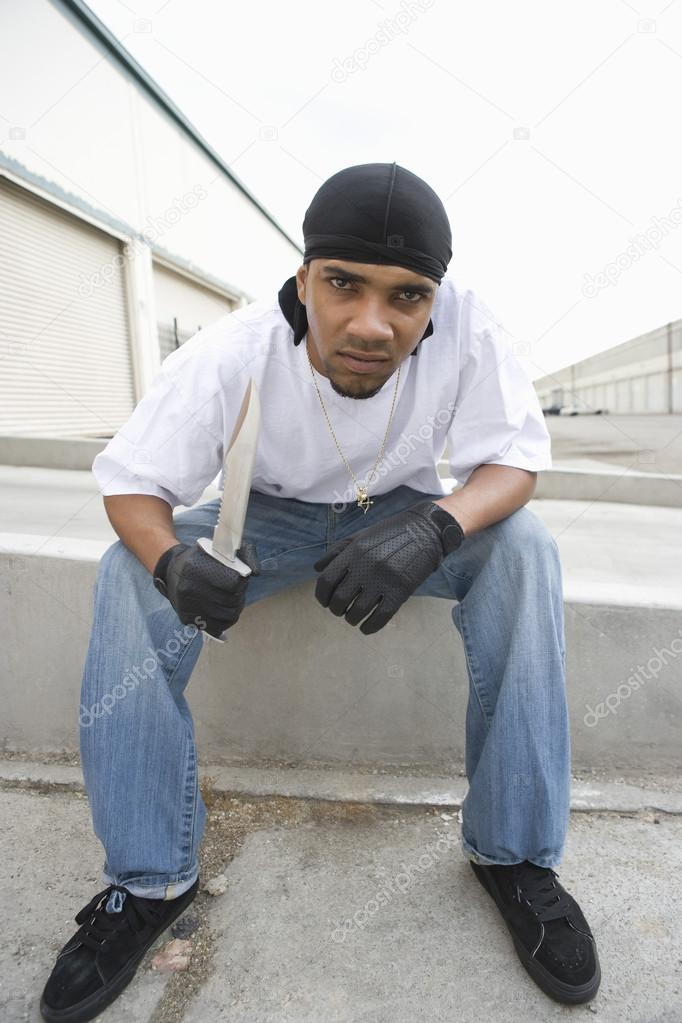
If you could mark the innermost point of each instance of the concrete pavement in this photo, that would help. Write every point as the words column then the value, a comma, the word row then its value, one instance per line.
column 299, row 936
column 652, row 442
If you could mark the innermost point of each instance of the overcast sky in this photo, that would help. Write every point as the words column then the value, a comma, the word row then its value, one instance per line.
column 549, row 130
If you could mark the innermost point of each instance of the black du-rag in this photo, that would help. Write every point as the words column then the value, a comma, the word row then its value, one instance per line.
column 373, row 213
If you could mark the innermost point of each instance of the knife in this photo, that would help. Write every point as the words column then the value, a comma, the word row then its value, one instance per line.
column 237, row 475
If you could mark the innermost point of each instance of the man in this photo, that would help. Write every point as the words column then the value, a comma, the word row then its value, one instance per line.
column 370, row 348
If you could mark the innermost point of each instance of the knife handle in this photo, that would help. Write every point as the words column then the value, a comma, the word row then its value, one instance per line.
column 235, row 563
column 206, row 544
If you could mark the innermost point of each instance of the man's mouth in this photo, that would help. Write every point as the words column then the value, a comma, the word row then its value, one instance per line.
column 361, row 363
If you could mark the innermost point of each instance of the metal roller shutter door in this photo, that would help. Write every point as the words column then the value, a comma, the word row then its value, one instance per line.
column 65, row 357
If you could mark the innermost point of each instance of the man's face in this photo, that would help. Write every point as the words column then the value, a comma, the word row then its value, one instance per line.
column 366, row 309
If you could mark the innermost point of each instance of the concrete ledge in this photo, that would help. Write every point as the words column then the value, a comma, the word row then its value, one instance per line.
column 348, row 786
column 625, row 486
column 51, row 452
column 293, row 686
column 604, row 482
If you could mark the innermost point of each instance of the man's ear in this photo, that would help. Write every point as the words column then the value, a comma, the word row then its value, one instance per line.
column 301, row 277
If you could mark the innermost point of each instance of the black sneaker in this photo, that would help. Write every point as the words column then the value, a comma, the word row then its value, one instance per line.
column 103, row 955
column 552, row 937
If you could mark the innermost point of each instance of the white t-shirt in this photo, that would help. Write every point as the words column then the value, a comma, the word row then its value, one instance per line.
column 465, row 386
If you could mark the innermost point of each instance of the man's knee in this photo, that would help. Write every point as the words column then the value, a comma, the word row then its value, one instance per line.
column 118, row 561
column 523, row 531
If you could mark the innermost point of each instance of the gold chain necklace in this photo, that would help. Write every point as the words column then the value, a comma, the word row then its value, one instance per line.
column 361, row 492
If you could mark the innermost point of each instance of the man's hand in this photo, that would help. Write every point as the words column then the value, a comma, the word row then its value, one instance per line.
column 201, row 588
column 385, row 563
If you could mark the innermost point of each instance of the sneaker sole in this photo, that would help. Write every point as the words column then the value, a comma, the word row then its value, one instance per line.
column 569, row 994
column 94, row 1003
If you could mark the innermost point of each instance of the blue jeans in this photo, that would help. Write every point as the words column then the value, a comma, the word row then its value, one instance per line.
column 137, row 745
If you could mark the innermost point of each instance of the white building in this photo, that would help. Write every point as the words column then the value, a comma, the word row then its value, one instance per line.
column 121, row 230
column 639, row 376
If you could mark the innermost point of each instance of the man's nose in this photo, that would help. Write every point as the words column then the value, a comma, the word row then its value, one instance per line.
column 371, row 322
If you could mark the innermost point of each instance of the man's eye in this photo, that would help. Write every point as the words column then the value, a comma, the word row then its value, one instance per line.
column 412, row 301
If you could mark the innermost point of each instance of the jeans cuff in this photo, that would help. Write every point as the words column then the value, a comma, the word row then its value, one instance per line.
column 162, row 890
column 476, row 857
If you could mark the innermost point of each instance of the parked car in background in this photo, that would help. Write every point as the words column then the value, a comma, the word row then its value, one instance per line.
column 574, row 410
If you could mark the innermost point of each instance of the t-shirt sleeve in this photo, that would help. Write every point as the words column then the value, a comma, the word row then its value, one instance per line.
column 172, row 444
column 497, row 418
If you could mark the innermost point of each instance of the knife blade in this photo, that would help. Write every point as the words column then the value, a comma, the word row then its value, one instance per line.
column 237, row 475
